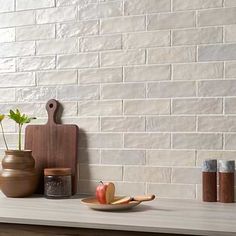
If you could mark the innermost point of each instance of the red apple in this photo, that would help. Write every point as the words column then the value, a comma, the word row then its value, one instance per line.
column 105, row 193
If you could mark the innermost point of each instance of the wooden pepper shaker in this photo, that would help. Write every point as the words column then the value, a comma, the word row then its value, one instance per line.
column 226, row 181
column 209, row 181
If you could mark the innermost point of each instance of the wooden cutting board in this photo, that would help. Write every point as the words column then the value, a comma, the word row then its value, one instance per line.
column 53, row 144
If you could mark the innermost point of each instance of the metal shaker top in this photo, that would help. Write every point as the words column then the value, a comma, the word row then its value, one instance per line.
column 209, row 165
column 226, row 166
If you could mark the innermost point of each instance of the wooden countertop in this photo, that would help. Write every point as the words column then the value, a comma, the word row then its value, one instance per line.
column 161, row 215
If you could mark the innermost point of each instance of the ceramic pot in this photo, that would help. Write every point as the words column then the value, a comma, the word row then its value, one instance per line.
column 18, row 177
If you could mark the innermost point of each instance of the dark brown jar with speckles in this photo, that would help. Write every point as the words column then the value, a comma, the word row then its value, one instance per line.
column 57, row 183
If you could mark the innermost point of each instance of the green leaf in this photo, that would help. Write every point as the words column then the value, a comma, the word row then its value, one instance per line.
column 2, row 116
column 19, row 118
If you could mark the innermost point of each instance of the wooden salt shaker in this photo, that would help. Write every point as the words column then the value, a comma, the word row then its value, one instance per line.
column 209, row 181
column 226, row 181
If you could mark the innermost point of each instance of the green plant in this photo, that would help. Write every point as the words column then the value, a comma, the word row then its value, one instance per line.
column 3, row 134
column 20, row 119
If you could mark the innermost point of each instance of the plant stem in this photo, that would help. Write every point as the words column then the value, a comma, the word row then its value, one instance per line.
column 20, row 128
column 3, row 134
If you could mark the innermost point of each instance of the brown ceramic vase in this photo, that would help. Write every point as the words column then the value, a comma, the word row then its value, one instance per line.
column 18, row 177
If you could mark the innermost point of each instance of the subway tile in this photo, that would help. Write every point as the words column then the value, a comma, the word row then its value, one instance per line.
column 81, row 60
column 89, row 156
column 147, row 140
column 230, row 69
column 171, row 124
column 97, row 172
column 123, row 157
column 36, row 63
column 197, row 141
column 99, row 108
column 147, row 39
column 171, row 89
column 54, row 15
column 138, row 7
column 186, row 175
column 7, row 35
column 217, row 88
column 76, row 29
column 174, row 191
column 23, row 79
column 86, row 124
column 75, row 93
column 56, row 46
column 6, row 6
column 197, row 106
column 222, row 16
column 33, row 4
column 15, row 49
column 100, row 43
column 101, row 140
column 123, row 91
column 146, row 107
column 122, row 124
column 35, row 32
column 147, row 73
column 12, row 19
column 100, row 10
column 147, row 174
column 217, row 124
column 100, row 75
column 197, row 36
column 171, row 55
column 123, row 24
column 198, row 71
column 230, row 107
column 7, row 65
column 57, row 78
column 230, row 33
column 171, row 20
column 179, row 5
column 39, row 94
column 122, row 58
column 230, row 141
column 7, row 95
column 230, row 3
column 217, row 52
column 170, row 158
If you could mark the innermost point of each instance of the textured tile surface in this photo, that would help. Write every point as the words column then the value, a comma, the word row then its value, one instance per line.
column 150, row 83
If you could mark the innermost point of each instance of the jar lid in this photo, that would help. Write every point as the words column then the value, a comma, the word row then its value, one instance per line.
column 227, row 166
column 57, row 171
column 209, row 165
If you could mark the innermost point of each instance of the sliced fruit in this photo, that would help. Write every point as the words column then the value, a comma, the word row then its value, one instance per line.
column 110, row 193
column 124, row 200
column 105, row 193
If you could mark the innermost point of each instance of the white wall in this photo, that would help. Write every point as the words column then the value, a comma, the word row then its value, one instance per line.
column 151, row 83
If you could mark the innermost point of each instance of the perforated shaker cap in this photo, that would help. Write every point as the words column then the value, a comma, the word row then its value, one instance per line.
column 226, row 166
column 209, row 165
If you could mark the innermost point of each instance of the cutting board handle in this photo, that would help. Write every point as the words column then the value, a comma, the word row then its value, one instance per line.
column 52, row 108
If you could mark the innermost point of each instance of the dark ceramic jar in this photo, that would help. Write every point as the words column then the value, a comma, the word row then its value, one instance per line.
column 57, row 183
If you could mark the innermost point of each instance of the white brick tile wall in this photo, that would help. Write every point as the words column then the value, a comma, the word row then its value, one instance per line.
column 7, row 35
column 150, row 83
column 73, row 29
column 6, row 6
column 171, row 20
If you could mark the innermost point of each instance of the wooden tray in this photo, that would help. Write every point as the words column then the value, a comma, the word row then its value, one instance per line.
column 93, row 203
column 53, row 145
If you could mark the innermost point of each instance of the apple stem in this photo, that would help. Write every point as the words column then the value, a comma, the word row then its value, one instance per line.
column 101, row 182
